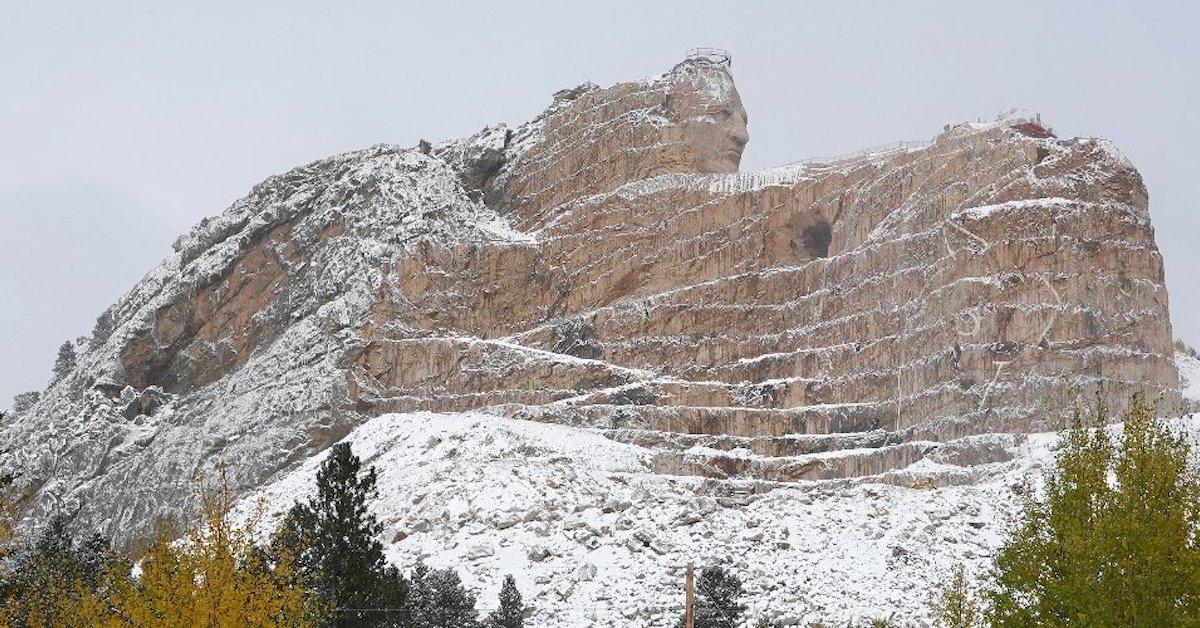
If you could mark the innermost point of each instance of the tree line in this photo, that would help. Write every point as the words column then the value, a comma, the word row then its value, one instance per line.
column 1112, row 538
column 324, row 566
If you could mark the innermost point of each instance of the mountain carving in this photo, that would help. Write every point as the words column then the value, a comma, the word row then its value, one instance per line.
column 607, row 266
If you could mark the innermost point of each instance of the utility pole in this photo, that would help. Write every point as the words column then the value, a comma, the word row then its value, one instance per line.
column 689, row 611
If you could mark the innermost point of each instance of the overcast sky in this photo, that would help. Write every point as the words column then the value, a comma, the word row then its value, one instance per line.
column 122, row 124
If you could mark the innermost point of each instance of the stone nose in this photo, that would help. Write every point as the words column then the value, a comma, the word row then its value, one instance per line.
column 740, row 136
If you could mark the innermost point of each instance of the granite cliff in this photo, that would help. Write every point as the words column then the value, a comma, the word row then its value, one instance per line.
column 606, row 267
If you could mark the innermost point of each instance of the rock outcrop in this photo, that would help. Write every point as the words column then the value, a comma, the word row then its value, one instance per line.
column 605, row 265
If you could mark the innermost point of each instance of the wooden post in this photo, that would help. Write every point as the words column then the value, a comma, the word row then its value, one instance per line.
column 689, row 612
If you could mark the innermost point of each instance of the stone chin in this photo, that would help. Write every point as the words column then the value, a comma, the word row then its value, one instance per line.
column 717, row 164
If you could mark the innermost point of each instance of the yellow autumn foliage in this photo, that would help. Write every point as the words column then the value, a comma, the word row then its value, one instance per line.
column 216, row 577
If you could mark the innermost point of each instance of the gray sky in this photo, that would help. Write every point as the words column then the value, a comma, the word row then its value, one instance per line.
column 122, row 124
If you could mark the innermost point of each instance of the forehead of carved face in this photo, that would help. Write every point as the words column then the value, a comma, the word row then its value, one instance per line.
column 713, row 122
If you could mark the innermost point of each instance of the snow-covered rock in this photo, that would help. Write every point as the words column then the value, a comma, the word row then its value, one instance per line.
column 595, row 537
column 605, row 266
column 1189, row 377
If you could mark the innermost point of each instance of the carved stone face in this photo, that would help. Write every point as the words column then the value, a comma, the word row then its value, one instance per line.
column 713, row 121
column 717, row 136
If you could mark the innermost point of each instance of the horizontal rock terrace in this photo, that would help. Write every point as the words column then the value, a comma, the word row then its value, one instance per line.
column 917, row 295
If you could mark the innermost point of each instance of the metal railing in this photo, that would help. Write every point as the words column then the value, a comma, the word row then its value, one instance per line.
column 882, row 149
column 869, row 151
column 863, row 152
column 715, row 56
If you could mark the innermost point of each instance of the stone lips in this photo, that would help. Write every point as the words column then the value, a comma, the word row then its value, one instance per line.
column 605, row 265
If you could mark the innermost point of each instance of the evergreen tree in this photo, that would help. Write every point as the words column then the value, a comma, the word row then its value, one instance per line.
column 65, row 360
column 394, row 596
column 420, row 594
column 8, row 510
column 333, row 537
column 56, row 569
column 438, row 600
column 1096, row 552
column 718, row 594
column 512, row 611
column 9, row 515
column 955, row 604
column 23, row 402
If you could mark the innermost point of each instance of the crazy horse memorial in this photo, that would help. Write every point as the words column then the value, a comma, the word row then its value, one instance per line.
column 588, row 344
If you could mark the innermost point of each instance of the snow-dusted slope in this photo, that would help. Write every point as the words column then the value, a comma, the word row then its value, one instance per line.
column 595, row 538
column 1189, row 376
column 233, row 347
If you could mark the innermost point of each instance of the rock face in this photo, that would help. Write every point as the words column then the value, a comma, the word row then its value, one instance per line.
column 606, row 266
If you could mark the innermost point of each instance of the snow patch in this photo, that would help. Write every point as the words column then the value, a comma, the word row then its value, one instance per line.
column 1189, row 376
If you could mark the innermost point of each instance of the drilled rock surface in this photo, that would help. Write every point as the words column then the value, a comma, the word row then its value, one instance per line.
column 606, row 265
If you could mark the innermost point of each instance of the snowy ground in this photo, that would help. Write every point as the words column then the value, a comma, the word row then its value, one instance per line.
column 1189, row 376
column 595, row 538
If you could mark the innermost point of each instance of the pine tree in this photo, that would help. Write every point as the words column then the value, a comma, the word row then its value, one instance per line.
column 718, row 592
column 22, row 402
column 512, row 612
column 954, row 604
column 65, row 360
column 438, row 599
column 8, row 509
column 1097, row 552
column 420, row 594
column 394, row 596
column 334, row 539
